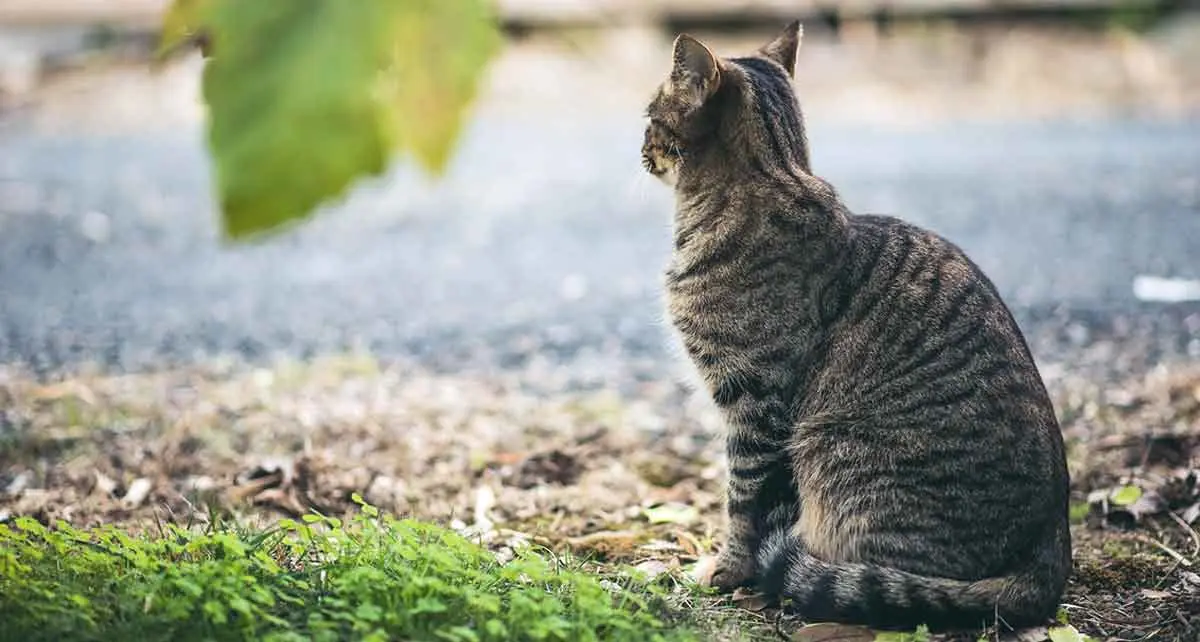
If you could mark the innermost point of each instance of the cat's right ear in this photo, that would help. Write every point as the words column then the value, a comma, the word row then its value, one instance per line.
column 695, row 73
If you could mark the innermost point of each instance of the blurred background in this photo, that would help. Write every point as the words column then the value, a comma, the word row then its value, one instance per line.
column 1057, row 141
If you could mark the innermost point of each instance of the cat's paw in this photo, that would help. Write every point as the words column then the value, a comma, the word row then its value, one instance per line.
column 731, row 572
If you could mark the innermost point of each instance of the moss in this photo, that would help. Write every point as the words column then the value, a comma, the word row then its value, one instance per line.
column 1124, row 570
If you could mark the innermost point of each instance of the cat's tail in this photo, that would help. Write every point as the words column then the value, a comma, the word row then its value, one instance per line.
column 885, row 597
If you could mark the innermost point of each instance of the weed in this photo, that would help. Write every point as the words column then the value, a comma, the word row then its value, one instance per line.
column 374, row 578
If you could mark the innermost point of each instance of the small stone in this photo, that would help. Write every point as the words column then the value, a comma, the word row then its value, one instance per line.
column 574, row 287
column 384, row 491
column 138, row 491
column 19, row 483
column 96, row 227
column 200, row 483
column 652, row 568
column 105, row 485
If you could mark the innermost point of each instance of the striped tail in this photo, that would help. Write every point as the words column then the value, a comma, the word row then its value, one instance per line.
column 883, row 597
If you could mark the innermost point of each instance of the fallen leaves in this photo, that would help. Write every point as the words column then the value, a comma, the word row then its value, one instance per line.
column 551, row 467
column 750, row 600
column 606, row 544
column 513, row 469
column 828, row 632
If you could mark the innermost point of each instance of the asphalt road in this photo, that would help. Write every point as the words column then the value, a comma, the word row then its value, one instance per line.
column 545, row 243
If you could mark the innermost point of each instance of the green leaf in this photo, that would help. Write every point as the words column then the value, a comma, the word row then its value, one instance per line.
column 671, row 513
column 368, row 612
column 182, row 22
column 1066, row 633
column 428, row 605
column 292, row 120
column 1125, row 495
column 1079, row 512
column 215, row 611
column 442, row 49
column 241, row 605
column 307, row 96
column 920, row 634
column 458, row 634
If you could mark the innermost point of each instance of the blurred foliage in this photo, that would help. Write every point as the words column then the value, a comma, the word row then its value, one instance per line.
column 307, row 96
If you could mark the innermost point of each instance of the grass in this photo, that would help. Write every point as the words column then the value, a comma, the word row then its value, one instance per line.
column 373, row 578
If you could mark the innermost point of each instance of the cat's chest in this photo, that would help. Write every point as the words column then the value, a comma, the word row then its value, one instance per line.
column 712, row 330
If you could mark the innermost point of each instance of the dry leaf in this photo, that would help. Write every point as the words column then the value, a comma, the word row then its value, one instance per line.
column 748, row 600
column 829, row 632
column 608, row 543
column 659, row 546
column 1191, row 513
column 252, row 488
column 281, row 498
column 553, row 467
column 688, row 543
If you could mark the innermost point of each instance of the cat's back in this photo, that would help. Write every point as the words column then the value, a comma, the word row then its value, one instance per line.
column 928, row 390
column 927, row 348
column 916, row 305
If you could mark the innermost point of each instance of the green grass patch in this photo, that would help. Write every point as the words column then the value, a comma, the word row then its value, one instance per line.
column 373, row 578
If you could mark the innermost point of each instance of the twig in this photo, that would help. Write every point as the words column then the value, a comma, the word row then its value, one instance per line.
column 1187, row 528
column 1175, row 555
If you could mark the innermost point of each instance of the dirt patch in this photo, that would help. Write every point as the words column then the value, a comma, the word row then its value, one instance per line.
column 633, row 479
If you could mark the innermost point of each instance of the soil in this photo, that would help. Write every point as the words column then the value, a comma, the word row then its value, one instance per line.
column 630, row 478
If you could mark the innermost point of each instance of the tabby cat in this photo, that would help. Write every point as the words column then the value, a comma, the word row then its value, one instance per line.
column 894, row 458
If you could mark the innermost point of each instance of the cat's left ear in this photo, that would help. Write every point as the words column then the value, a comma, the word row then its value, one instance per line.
column 695, row 71
column 783, row 48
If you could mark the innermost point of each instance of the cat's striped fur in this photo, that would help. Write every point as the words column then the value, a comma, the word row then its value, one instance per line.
column 894, row 458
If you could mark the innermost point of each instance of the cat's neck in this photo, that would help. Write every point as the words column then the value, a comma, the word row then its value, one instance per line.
column 716, row 202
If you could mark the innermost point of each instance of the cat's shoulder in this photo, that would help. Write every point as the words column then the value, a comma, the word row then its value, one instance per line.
column 883, row 228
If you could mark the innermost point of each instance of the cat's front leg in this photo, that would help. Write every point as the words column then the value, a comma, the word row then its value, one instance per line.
column 759, row 481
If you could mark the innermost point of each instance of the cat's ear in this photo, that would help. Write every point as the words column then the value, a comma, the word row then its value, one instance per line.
column 695, row 69
column 783, row 48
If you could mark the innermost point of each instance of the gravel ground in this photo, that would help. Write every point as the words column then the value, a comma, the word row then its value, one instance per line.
column 108, row 249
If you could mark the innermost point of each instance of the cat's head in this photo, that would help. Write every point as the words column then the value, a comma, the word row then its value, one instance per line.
column 744, row 106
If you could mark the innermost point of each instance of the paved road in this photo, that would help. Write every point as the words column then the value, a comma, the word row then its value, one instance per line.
column 545, row 244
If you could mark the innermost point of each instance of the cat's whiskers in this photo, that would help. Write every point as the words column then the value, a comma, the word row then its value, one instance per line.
column 678, row 155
